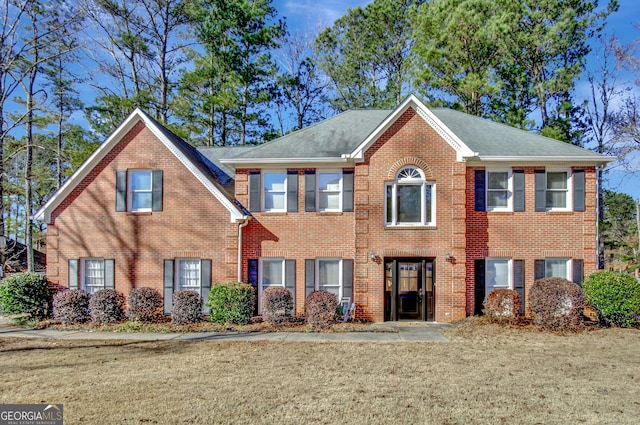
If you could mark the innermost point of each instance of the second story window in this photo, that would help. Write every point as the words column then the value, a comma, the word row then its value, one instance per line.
column 329, row 191
column 139, row 190
column 410, row 200
column 275, row 191
column 498, row 190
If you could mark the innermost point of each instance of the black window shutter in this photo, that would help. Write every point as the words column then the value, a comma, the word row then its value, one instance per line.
column 292, row 191
column 479, row 285
column 310, row 190
column 73, row 274
column 347, row 190
column 205, row 283
column 168, row 285
column 121, row 190
column 156, row 193
column 255, row 190
column 518, row 190
column 347, row 279
column 309, row 277
column 109, row 274
column 480, row 185
column 538, row 269
column 252, row 269
column 290, row 279
column 578, row 271
column 518, row 281
column 541, row 190
column 578, row 190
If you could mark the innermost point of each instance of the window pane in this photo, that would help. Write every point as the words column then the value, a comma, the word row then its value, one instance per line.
column 499, row 180
column 556, row 267
column 497, row 199
column 557, row 181
column 329, row 276
column 428, row 194
column 409, row 201
column 329, row 201
column 556, row 199
column 94, row 275
column 141, row 180
column 272, row 273
column 497, row 274
column 329, row 181
column 189, row 274
column 274, row 201
column 275, row 182
column 141, row 200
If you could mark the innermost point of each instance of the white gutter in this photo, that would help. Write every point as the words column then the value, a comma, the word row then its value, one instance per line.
column 261, row 161
column 243, row 223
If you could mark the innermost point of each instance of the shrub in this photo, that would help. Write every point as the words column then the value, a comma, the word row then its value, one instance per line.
column 556, row 303
column 231, row 302
column 187, row 307
column 26, row 293
column 107, row 306
column 71, row 306
column 321, row 308
column 615, row 296
column 145, row 305
column 277, row 305
column 502, row 305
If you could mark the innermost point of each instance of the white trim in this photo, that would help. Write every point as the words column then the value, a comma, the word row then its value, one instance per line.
column 541, row 160
column 44, row 213
column 509, row 206
column 262, row 162
column 463, row 152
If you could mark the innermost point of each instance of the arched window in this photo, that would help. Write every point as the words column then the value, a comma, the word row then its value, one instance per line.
column 410, row 199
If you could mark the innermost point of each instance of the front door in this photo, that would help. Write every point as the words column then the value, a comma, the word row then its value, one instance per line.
column 409, row 289
column 410, row 297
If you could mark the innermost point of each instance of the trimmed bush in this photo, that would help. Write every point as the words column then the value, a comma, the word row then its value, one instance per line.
column 277, row 305
column 615, row 296
column 145, row 305
column 26, row 293
column 231, row 302
column 502, row 305
column 107, row 306
column 71, row 306
column 187, row 307
column 321, row 308
column 556, row 304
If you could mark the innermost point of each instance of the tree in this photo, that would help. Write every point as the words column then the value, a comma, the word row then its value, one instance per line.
column 619, row 228
column 236, row 74
column 366, row 55
column 300, row 84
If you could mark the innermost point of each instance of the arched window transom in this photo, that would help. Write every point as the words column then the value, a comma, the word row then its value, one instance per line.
column 410, row 199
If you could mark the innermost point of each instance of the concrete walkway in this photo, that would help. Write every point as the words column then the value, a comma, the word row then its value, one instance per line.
column 406, row 332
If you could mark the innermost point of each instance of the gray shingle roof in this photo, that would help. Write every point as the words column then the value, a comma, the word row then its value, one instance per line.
column 491, row 139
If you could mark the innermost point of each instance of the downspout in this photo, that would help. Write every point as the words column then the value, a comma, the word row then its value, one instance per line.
column 243, row 223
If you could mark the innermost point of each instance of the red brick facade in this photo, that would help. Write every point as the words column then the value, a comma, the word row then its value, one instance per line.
column 192, row 222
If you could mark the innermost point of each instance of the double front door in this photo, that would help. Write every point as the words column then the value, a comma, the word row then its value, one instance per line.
column 409, row 289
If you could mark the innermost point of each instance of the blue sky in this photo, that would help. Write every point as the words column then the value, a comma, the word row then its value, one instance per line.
column 307, row 16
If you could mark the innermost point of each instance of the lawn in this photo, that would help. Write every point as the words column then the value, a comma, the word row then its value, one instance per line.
column 486, row 374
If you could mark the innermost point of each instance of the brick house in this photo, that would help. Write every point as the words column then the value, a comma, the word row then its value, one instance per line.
column 412, row 213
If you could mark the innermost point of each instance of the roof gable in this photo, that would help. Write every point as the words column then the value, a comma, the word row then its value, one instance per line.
column 194, row 161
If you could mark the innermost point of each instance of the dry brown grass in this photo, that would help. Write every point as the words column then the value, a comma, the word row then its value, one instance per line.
column 486, row 374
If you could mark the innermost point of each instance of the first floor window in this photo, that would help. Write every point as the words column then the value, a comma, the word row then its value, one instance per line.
column 329, row 276
column 188, row 274
column 409, row 199
column 272, row 272
column 557, row 267
column 498, row 274
column 93, row 275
